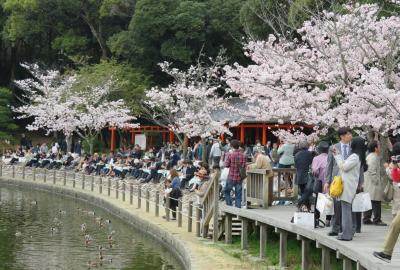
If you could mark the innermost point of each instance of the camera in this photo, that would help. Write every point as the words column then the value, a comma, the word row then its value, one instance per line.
column 395, row 159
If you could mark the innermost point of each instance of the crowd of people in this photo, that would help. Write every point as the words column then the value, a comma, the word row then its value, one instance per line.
column 356, row 160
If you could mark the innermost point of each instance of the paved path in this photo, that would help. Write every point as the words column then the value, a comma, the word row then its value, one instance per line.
column 360, row 249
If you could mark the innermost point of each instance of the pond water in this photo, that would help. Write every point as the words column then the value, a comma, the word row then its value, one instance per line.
column 39, row 230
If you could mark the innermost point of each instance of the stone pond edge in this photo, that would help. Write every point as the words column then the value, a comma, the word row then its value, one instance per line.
column 177, row 247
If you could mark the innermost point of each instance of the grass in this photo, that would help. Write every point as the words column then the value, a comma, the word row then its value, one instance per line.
column 272, row 252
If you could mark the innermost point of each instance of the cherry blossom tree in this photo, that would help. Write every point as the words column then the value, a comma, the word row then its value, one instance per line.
column 186, row 106
column 343, row 69
column 55, row 105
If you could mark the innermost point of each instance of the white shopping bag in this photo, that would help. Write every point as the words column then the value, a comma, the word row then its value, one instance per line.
column 325, row 204
column 304, row 219
column 224, row 175
column 362, row 202
column 221, row 163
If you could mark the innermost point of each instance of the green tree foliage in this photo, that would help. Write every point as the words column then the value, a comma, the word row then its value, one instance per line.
column 130, row 83
column 126, row 39
column 178, row 31
column 7, row 125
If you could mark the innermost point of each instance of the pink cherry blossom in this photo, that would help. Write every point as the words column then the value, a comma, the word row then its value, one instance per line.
column 343, row 71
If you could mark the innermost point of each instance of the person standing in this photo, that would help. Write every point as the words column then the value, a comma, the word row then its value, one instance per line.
column 392, row 235
column 318, row 168
column 393, row 171
column 274, row 154
column 390, row 240
column 302, row 163
column 350, row 170
column 258, row 147
column 344, row 149
column 175, row 191
column 216, row 153
column 286, row 159
column 24, row 141
column 78, row 147
column 374, row 184
column 235, row 161
column 267, row 149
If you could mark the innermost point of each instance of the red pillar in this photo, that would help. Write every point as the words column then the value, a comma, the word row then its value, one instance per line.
column 222, row 136
column 242, row 134
column 264, row 135
column 257, row 133
column 171, row 137
column 112, row 139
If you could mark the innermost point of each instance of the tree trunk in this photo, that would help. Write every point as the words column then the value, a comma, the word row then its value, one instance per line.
column 385, row 147
column 91, row 146
column 185, row 146
column 90, row 141
column 68, row 140
column 98, row 34
column 204, row 150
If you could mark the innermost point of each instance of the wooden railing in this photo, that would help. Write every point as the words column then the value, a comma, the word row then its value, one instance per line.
column 209, row 205
column 285, row 177
column 260, row 185
column 122, row 190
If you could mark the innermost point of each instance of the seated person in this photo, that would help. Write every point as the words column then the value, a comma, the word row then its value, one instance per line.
column 101, row 163
column 201, row 191
column 155, row 165
column 188, row 171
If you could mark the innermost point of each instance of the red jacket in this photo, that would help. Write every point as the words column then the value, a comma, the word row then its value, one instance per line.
column 395, row 175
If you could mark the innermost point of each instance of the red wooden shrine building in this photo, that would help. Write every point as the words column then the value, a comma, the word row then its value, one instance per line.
column 246, row 132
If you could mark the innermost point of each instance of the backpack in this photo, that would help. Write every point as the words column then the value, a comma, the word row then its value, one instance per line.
column 242, row 170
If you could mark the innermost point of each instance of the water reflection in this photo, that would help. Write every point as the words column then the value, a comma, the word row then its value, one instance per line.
column 43, row 231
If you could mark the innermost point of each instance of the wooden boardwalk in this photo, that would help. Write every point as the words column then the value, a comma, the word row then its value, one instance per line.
column 359, row 250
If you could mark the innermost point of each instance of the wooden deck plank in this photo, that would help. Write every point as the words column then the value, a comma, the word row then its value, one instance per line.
column 360, row 249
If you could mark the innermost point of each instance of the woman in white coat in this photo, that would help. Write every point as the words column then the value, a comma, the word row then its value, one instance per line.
column 350, row 172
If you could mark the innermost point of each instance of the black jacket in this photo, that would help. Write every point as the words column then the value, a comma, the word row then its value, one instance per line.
column 302, row 162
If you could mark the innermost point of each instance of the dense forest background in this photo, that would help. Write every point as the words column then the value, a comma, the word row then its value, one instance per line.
column 126, row 39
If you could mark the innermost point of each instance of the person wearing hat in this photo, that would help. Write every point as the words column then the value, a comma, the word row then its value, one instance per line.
column 318, row 168
column 203, row 175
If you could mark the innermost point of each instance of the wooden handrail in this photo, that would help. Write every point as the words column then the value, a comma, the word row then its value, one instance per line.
column 208, row 202
column 260, row 183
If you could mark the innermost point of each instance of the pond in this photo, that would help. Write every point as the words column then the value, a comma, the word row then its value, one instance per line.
column 39, row 230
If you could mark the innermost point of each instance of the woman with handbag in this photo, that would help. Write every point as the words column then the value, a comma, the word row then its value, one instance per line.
column 350, row 170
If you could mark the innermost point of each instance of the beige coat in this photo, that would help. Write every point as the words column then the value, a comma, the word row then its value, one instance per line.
column 374, row 183
column 349, row 169
column 262, row 162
